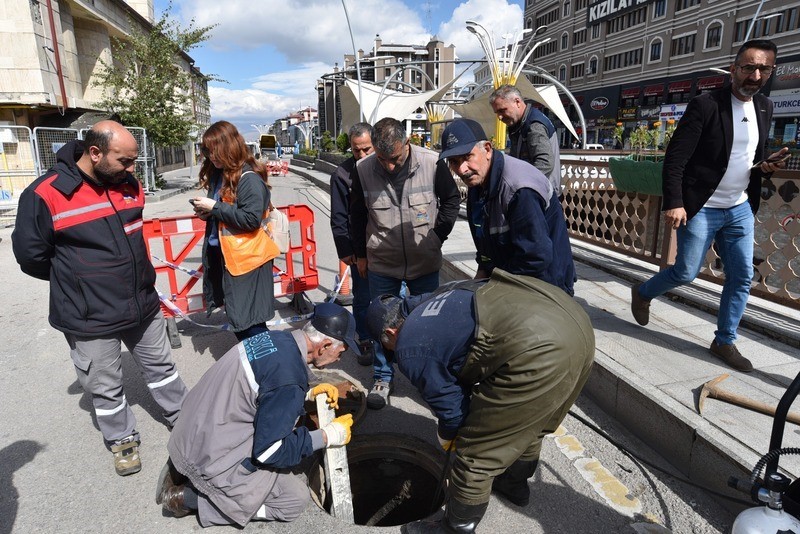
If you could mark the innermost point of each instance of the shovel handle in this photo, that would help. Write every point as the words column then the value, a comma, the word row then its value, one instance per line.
column 750, row 404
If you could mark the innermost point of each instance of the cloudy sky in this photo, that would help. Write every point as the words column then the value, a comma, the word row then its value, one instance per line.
column 271, row 53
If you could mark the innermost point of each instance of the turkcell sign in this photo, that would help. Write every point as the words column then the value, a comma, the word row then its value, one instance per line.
column 605, row 9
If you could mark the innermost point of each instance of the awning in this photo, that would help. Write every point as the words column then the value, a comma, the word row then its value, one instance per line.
column 654, row 90
column 631, row 92
column 710, row 82
column 683, row 86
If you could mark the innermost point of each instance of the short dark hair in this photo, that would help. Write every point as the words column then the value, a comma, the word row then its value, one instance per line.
column 99, row 138
column 761, row 44
column 386, row 134
column 359, row 129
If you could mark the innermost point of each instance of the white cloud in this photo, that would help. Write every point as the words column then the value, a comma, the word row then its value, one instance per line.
column 497, row 16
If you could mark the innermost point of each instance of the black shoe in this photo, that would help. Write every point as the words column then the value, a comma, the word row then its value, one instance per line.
column 513, row 483
column 367, row 356
column 459, row 518
column 731, row 355
column 640, row 308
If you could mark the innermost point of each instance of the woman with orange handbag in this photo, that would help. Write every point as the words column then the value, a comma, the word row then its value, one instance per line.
column 237, row 253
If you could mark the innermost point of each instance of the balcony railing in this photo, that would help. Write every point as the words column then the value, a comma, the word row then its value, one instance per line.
column 631, row 223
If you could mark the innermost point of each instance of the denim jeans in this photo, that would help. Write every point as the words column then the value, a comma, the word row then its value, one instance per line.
column 361, row 300
column 732, row 230
column 382, row 285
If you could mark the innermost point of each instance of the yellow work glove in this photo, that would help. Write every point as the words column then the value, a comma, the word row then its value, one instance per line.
column 447, row 444
column 338, row 430
column 329, row 389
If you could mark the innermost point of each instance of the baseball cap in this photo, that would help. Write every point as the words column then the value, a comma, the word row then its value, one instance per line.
column 336, row 322
column 381, row 309
column 460, row 137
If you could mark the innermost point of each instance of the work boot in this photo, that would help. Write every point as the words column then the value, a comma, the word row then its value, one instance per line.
column 126, row 456
column 513, row 483
column 379, row 394
column 459, row 518
column 168, row 477
column 731, row 355
column 640, row 308
column 367, row 355
column 172, row 501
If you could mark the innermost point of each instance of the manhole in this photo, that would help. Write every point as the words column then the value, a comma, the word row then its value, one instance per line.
column 352, row 399
column 393, row 478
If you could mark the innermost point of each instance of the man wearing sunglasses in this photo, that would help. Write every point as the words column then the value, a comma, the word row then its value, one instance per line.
column 712, row 182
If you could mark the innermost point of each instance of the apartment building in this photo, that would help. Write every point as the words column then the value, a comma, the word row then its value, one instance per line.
column 50, row 58
column 642, row 60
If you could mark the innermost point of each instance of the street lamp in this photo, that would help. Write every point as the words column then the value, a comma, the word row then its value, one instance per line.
column 358, row 64
column 506, row 68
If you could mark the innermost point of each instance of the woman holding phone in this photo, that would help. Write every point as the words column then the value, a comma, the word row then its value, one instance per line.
column 236, row 203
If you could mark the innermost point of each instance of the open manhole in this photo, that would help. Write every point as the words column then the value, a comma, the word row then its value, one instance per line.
column 393, row 479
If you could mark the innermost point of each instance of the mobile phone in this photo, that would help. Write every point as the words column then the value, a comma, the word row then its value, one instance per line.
column 191, row 201
column 774, row 159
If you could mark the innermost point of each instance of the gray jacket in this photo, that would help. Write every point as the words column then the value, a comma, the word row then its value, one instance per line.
column 402, row 237
column 535, row 140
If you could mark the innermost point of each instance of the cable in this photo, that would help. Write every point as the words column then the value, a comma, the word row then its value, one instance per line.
column 637, row 459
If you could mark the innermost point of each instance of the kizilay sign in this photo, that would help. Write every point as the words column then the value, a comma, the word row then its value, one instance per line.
column 605, row 9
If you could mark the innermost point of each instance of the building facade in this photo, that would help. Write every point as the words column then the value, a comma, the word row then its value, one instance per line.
column 641, row 62
column 50, row 59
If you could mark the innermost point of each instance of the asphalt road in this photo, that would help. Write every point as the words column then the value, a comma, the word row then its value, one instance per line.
column 57, row 476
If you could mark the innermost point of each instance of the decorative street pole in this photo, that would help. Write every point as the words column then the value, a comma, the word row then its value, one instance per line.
column 358, row 64
column 507, row 66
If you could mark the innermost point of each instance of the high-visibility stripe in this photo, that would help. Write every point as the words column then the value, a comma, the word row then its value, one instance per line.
column 248, row 370
column 132, row 227
column 267, row 454
column 161, row 383
column 80, row 211
column 101, row 413
column 499, row 229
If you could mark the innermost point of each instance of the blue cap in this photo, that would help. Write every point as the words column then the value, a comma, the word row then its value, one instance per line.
column 460, row 136
column 336, row 322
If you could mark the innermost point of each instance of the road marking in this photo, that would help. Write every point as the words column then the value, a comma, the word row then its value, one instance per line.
column 604, row 483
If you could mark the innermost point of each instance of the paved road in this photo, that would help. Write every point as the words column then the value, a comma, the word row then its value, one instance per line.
column 56, row 475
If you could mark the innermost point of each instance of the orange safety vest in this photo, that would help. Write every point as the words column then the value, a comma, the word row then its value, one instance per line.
column 246, row 250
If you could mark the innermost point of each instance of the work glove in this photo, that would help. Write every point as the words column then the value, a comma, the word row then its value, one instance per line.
column 329, row 389
column 447, row 444
column 338, row 430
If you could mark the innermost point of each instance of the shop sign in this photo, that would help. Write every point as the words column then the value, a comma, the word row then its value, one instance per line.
column 653, row 90
column 671, row 111
column 786, row 77
column 652, row 112
column 786, row 105
column 680, row 87
column 627, row 114
column 599, row 103
column 711, row 82
column 604, row 9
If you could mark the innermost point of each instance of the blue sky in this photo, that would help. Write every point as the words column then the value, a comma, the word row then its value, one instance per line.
column 271, row 52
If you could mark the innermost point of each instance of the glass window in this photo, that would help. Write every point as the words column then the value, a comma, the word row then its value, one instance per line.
column 595, row 31
column 713, row 35
column 593, row 66
column 565, row 11
column 564, row 41
column 659, row 8
column 655, row 51
column 562, row 73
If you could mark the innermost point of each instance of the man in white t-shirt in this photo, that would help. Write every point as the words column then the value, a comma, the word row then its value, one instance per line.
column 712, row 181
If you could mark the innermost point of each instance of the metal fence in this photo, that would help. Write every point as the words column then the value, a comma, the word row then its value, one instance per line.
column 48, row 141
column 17, row 161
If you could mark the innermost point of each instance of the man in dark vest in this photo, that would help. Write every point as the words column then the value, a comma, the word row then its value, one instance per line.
column 499, row 362
column 533, row 136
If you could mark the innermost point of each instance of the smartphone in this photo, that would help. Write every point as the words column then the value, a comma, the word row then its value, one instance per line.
column 191, row 201
column 774, row 159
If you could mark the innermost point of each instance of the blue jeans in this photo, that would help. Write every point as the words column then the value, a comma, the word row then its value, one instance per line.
column 361, row 300
column 732, row 230
column 382, row 285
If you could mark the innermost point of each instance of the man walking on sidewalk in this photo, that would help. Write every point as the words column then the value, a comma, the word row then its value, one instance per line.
column 80, row 227
column 712, row 183
column 360, row 136
column 404, row 206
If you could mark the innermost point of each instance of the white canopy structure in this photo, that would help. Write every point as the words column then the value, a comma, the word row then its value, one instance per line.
column 479, row 109
column 392, row 103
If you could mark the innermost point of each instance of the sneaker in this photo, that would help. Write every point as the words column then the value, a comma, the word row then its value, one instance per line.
column 640, row 308
column 126, row 456
column 731, row 356
column 367, row 355
column 379, row 395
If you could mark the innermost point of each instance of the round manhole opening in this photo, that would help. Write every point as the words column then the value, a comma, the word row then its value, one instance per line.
column 394, row 479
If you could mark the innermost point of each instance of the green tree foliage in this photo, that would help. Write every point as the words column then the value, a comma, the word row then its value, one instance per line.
column 327, row 144
column 145, row 84
column 342, row 142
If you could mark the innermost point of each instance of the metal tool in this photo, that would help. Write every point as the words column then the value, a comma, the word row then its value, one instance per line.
column 712, row 389
column 337, row 473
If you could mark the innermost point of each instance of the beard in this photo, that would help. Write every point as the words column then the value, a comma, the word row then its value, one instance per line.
column 749, row 89
column 103, row 172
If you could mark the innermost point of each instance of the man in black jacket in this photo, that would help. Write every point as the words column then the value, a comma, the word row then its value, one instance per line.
column 712, row 181
column 360, row 136
column 79, row 226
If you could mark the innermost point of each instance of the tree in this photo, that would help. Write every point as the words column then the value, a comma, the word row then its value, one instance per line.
column 342, row 142
column 146, row 86
column 327, row 142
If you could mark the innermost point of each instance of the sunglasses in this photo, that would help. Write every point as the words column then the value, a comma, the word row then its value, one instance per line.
column 205, row 151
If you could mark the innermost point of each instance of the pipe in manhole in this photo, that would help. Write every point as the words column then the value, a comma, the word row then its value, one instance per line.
column 393, row 479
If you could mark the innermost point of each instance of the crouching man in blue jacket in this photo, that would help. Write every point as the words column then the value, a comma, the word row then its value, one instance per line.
column 238, row 430
column 500, row 362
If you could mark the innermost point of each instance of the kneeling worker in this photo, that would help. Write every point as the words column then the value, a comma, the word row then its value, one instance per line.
column 238, row 434
column 500, row 362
